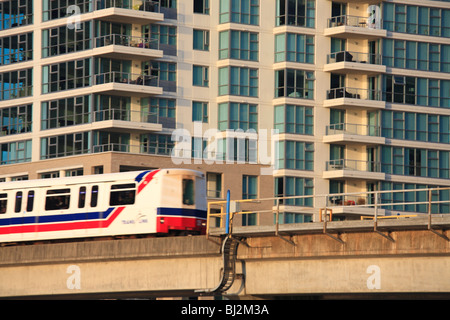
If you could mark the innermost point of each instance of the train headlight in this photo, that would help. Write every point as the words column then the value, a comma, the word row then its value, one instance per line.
column 161, row 220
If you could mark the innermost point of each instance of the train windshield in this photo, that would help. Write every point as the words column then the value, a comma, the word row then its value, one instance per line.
column 188, row 192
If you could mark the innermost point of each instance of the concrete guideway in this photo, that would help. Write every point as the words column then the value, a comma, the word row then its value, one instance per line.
column 413, row 261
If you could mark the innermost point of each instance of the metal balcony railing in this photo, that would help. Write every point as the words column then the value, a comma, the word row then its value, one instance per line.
column 127, row 41
column 352, row 56
column 354, row 21
column 126, row 78
column 355, row 165
column 354, row 128
column 141, row 5
column 355, row 93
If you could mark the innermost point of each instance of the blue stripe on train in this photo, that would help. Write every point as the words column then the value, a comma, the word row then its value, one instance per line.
column 181, row 212
column 70, row 217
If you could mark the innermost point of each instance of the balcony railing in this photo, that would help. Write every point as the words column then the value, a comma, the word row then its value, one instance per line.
column 352, row 56
column 355, row 93
column 354, row 21
column 355, row 165
column 354, row 128
column 126, row 78
column 127, row 41
column 141, row 5
column 125, row 115
column 119, row 147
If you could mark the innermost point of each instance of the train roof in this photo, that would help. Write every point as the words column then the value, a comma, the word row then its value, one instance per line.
column 99, row 178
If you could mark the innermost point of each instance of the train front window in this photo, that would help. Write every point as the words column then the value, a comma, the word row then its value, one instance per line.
column 3, row 201
column 122, row 194
column 58, row 199
column 188, row 192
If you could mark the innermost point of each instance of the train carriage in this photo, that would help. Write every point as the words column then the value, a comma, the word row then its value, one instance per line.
column 164, row 201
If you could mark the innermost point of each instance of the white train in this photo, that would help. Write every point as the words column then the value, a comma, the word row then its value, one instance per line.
column 165, row 201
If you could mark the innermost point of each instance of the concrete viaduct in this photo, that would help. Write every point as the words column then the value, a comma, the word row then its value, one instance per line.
column 349, row 259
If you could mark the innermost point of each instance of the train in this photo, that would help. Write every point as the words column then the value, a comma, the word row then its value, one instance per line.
column 138, row 203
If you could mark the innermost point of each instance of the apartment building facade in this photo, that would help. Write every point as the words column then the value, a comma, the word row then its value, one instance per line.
column 358, row 91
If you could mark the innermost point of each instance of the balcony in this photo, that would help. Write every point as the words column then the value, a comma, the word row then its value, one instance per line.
column 346, row 97
column 122, row 83
column 353, row 169
column 137, row 11
column 127, row 120
column 115, row 46
column 354, row 27
column 353, row 133
column 344, row 62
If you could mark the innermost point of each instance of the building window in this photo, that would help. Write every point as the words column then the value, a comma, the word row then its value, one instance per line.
column 159, row 144
column 15, row 13
column 415, row 126
column 299, row 13
column 165, row 35
column 201, row 40
column 200, row 76
column 61, row 40
column 198, row 146
column 416, row 20
column 214, row 185
column 166, row 73
column 238, row 81
column 233, row 115
column 104, row 141
column 16, row 84
column 294, row 47
column 66, row 112
column 201, row 6
column 415, row 162
column 241, row 150
column 239, row 11
column 420, row 91
column 159, row 110
column 241, row 45
column 294, row 186
column 296, row 155
column 15, row 152
column 65, row 145
column 56, row 9
column 294, row 83
column 200, row 111
column 17, row 48
column 66, row 75
column 294, row 119
column 15, row 120
column 416, row 55
column 110, row 108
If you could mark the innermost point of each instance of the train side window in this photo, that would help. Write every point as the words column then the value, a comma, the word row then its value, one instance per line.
column 94, row 196
column 122, row 194
column 188, row 192
column 57, row 199
column 18, row 206
column 82, row 197
column 3, row 202
column 30, row 201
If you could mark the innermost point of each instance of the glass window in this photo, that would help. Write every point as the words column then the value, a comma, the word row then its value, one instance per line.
column 239, row 11
column 238, row 81
column 58, row 199
column 294, row 119
column 235, row 116
column 16, row 48
column 294, row 83
column 296, row 155
column 200, row 76
column 82, row 197
column 201, row 6
column 188, row 192
column 15, row 13
column 16, row 84
column 299, row 13
column 3, row 202
column 200, row 111
column 235, row 44
column 122, row 194
column 201, row 40
column 294, row 47
column 30, row 201
column 66, row 145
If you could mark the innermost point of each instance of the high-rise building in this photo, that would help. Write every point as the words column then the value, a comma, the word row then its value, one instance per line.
column 359, row 91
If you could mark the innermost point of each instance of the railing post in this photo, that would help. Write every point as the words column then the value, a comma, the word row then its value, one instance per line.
column 227, row 221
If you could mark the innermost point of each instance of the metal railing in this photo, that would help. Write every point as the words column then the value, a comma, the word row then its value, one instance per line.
column 356, row 165
column 141, row 5
column 354, row 21
column 126, row 115
column 369, row 203
column 354, row 93
column 354, row 128
column 352, row 56
column 126, row 78
column 127, row 41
